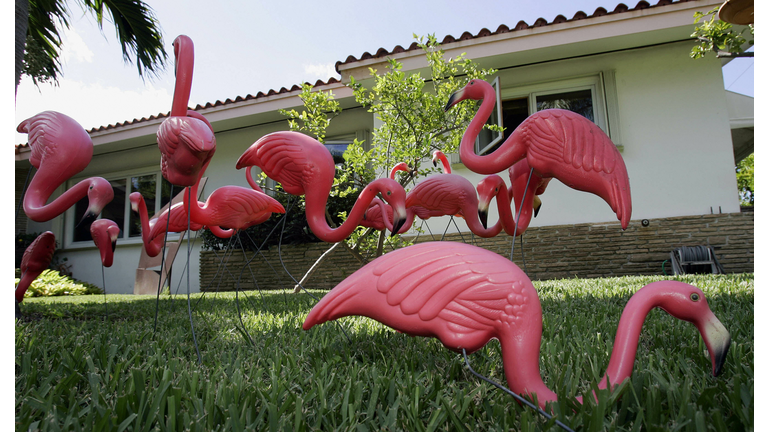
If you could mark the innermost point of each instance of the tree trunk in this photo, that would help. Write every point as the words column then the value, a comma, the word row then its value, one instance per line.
column 22, row 22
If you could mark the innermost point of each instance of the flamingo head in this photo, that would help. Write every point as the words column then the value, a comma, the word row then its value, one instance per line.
column 487, row 189
column 135, row 198
column 394, row 194
column 536, row 205
column 100, row 193
column 105, row 233
column 475, row 89
column 686, row 302
column 402, row 166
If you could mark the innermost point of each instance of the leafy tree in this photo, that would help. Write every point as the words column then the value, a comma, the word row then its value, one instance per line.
column 719, row 36
column 745, row 179
column 38, row 23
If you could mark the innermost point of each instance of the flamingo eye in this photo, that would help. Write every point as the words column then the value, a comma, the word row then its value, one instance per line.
column 389, row 193
column 694, row 297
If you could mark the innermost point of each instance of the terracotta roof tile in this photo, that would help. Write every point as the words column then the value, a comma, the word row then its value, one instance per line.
column 382, row 52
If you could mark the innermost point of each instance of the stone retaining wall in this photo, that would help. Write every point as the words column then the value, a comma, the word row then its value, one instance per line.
column 552, row 252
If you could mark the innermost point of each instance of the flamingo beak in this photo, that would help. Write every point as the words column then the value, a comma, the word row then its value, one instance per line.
column 536, row 205
column 454, row 99
column 717, row 339
column 399, row 219
column 87, row 219
column 482, row 214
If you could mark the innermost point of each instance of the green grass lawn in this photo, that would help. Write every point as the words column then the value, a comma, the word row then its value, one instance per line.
column 77, row 370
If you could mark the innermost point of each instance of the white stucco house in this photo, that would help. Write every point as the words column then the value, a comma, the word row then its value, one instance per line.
column 679, row 131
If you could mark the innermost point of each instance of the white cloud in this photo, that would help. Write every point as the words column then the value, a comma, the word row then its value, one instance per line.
column 321, row 71
column 75, row 48
column 91, row 105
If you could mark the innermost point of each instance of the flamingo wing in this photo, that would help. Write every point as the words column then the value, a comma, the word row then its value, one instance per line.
column 440, row 194
column 569, row 147
column 460, row 294
column 290, row 158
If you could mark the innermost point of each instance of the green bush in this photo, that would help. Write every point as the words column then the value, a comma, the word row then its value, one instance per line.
column 51, row 283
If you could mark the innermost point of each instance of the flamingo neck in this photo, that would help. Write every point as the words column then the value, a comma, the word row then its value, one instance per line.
column 39, row 191
column 489, row 164
column 185, row 60
column 474, row 224
column 315, row 205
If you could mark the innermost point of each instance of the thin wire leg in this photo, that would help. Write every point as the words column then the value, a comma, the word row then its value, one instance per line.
column 457, row 229
column 162, row 257
column 104, row 284
column 512, row 253
column 237, row 298
column 511, row 393
column 189, row 301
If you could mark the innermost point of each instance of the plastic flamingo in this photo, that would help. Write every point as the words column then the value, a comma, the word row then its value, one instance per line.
column 556, row 143
column 153, row 230
column 233, row 207
column 303, row 166
column 438, row 155
column 37, row 257
column 451, row 194
column 527, row 201
column 60, row 149
column 494, row 186
column 185, row 139
column 104, row 233
column 466, row 296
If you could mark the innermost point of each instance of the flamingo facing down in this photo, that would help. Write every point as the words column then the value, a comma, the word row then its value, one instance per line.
column 447, row 195
column 304, row 166
column 438, row 155
column 527, row 201
column 37, row 257
column 185, row 138
column 465, row 296
column 60, row 149
column 494, row 186
column 104, row 233
column 556, row 143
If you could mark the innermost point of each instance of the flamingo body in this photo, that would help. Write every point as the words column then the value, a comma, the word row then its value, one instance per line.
column 450, row 194
column 233, row 207
column 37, row 257
column 185, row 139
column 465, row 296
column 60, row 149
column 304, row 166
column 104, row 233
column 556, row 143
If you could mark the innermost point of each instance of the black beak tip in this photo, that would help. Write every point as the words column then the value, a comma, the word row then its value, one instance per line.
column 396, row 228
column 720, row 360
column 87, row 219
column 114, row 246
column 483, row 218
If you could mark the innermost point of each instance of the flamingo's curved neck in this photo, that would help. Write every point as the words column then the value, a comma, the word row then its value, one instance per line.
column 153, row 242
column 315, row 205
column 410, row 213
column 521, row 365
column 473, row 222
column 504, row 205
column 185, row 60
column 489, row 164
column 39, row 191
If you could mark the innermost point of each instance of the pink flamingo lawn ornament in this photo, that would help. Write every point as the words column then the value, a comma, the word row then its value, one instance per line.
column 304, row 166
column 556, row 143
column 449, row 195
column 60, row 149
column 185, row 139
column 104, row 233
column 465, row 296
column 437, row 155
column 494, row 186
column 153, row 230
column 37, row 257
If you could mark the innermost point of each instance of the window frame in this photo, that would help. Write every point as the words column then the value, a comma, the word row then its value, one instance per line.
column 71, row 219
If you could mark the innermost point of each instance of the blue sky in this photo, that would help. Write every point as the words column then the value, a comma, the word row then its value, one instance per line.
column 245, row 47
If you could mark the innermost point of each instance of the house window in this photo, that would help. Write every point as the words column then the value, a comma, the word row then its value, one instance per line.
column 153, row 187
column 585, row 96
column 337, row 149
